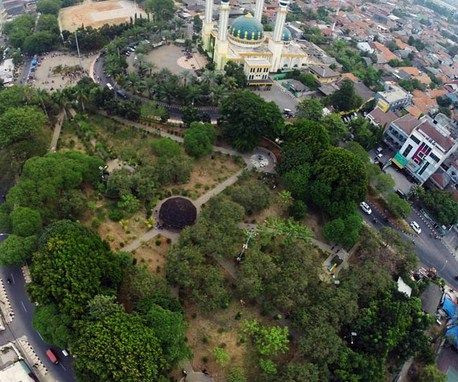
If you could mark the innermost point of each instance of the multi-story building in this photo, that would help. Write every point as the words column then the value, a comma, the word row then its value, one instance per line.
column 425, row 149
column 393, row 97
column 399, row 130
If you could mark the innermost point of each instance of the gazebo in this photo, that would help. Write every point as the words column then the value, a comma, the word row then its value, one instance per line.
column 177, row 213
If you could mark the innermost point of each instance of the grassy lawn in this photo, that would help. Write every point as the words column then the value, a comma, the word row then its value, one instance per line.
column 153, row 254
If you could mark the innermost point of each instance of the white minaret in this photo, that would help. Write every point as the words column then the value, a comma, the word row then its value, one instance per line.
column 221, row 47
column 258, row 10
column 223, row 20
column 276, row 43
column 207, row 26
column 280, row 20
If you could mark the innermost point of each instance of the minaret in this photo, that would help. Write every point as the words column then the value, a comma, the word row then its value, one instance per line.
column 280, row 20
column 221, row 46
column 207, row 26
column 258, row 10
column 223, row 20
column 276, row 43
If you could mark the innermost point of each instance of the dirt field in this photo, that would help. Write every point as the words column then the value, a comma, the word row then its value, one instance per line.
column 97, row 14
column 153, row 254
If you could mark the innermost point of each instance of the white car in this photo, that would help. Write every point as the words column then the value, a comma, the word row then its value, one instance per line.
column 365, row 207
column 415, row 227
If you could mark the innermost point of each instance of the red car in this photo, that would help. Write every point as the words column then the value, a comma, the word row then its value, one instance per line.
column 52, row 357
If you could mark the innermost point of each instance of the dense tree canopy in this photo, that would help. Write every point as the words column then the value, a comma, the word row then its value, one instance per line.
column 441, row 205
column 199, row 139
column 345, row 99
column 246, row 117
column 65, row 274
column 339, row 182
column 19, row 123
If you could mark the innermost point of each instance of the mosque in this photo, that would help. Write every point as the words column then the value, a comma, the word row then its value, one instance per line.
column 246, row 42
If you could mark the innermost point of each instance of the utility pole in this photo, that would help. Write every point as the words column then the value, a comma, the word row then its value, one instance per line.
column 78, row 48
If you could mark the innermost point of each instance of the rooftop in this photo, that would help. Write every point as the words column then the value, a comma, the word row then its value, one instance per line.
column 443, row 141
column 407, row 123
column 382, row 118
column 323, row 71
column 394, row 93
column 430, row 298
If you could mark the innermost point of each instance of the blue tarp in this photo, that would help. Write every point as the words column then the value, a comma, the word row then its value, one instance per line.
column 452, row 335
column 450, row 308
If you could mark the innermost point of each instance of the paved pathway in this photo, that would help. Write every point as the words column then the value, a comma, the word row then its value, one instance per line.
column 57, row 130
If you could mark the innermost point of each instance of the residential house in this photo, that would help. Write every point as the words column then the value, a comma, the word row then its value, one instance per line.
column 393, row 97
column 399, row 130
column 380, row 118
column 384, row 55
column 323, row 74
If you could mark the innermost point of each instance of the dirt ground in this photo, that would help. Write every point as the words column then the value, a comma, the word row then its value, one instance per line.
column 207, row 173
column 220, row 329
column 97, row 14
column 153, row 254
column 46, row 77
column 171, row 57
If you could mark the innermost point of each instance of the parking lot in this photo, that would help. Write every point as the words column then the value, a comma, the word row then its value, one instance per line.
column 282, row 97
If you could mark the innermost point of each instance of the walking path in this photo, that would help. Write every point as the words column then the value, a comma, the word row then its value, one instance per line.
column 57, row 130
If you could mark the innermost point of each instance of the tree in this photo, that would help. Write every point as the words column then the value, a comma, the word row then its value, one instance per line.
column 337, row 129
column 441, row 205
column 236, row 71
column 246, row 117
column 20, row 123
column 117, row 347
column 48, row 23
column 430, row 373
column 268, row 341
column 163, row 10
column 170, row 329
column 25, row 221
column 253, row 195
column 52, row 326
column 15, row 250
column 197, row 24
column 190, row 114
column 344, row 231
column 297, row 182
column 165, row 147
column 299, row 372
column 174, row 170
column 365, row 133
column 398, row 206
column 48, row 6
column 339, row 182
column 345, row 99
column 63, row 274
column 310, row 109
column 199, row 139
column 236, row 374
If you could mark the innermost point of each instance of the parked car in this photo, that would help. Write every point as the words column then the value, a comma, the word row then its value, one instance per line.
column 415, row 227
column 52, row 357
column 365, row 207
column 109, row 86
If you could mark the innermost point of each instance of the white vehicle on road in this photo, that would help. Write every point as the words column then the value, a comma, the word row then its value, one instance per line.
column 415, row 227
column 365, row 207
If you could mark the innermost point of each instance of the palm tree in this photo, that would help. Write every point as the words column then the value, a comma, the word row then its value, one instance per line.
column 81, row 97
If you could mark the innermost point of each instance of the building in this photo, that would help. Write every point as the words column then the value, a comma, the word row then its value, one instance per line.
column 12, row 365
column 6, row 72
column 323, row 74
column 424, row 151
column 393, row 97
column 245, row 42
column 381, row 119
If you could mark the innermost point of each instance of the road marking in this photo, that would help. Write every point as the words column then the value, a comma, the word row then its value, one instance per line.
column 40, row 336
column 23, row 306
column 63, row 367
column 12, row 278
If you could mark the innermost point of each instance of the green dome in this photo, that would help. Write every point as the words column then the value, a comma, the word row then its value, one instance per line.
column 247, row 28
column 286, row 35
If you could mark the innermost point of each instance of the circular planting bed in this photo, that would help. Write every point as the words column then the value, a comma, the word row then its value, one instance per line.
column 177, row 212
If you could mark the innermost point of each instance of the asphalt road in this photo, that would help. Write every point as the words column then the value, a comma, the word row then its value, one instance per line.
column 22, row 325
column 430, row 251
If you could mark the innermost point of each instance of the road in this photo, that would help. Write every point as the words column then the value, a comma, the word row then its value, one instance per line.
column 22, row 324
column 431, row 252
column 102, row 79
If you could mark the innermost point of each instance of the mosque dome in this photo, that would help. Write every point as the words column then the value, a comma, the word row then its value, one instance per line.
column 286, row 35
column 247, row 28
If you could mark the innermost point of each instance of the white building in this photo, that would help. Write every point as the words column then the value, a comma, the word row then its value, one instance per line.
column 6, row 71
column 425, row 149
column 393, row 97
column 246, row 43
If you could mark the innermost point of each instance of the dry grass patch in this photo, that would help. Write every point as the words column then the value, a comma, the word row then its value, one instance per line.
column 153, row 254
